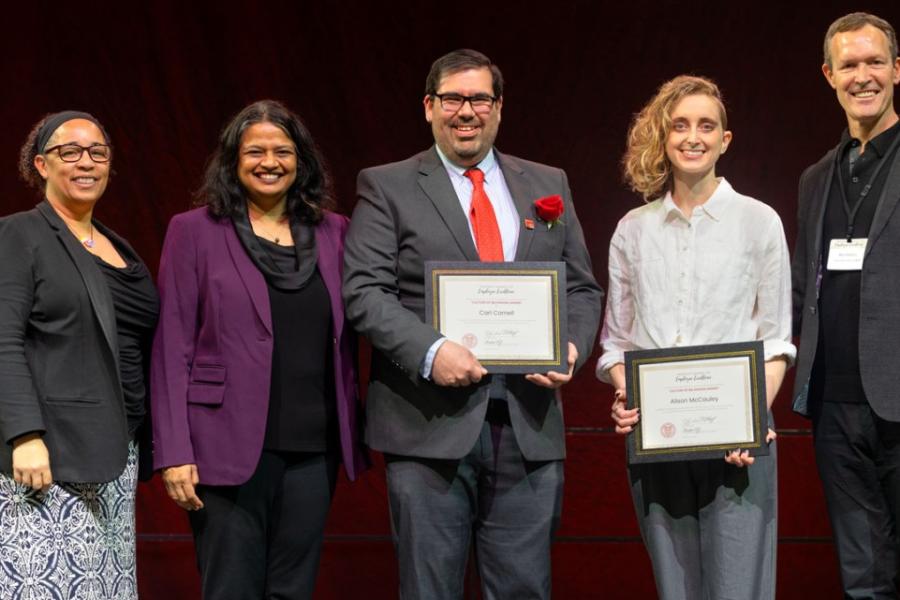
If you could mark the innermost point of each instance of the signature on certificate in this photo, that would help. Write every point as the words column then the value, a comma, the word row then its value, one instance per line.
column 698, row 424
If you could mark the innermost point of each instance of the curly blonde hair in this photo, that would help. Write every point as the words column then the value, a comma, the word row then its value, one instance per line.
column 647, row 169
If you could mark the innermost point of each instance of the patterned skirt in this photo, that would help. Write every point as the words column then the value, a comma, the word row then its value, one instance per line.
column 76, row 542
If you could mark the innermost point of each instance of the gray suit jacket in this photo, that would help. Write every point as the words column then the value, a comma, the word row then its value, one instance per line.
column 408, row 213
column 879, row 307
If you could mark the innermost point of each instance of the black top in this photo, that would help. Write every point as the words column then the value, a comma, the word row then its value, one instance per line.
column 301, row 414
column 837, row 357
column 136, row 305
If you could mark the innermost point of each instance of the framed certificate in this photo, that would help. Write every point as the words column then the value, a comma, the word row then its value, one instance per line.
column 511, row 315
column 697, row 402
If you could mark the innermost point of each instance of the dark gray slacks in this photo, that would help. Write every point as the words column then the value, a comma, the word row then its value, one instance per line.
column 510, row 506
column 263, row 539
column 858, row 456
column 709, row 527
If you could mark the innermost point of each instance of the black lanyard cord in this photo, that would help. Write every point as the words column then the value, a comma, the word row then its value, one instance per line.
column 851, row 214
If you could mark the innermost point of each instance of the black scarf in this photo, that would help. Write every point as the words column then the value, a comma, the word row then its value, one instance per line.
column 304, row 245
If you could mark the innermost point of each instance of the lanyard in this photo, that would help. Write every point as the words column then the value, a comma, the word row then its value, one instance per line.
column 851, row 215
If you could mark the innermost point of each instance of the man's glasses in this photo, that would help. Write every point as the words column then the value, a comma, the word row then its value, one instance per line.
column 480, row 103
column 99, row 153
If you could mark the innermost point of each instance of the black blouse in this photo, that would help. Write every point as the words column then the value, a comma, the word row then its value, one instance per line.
column 301, row 415
column 137, row 308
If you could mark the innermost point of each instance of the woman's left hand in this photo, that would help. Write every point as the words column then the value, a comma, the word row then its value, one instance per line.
column 742, row 458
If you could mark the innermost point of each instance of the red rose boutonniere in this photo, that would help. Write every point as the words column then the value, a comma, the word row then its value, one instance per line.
column 549, row 209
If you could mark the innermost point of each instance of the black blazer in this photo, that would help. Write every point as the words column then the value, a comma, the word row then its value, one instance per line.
column 879, row 303
column 59, row 358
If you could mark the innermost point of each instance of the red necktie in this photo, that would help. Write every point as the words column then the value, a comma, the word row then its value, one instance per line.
column 484, row 223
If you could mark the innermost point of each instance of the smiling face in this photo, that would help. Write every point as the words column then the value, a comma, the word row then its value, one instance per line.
column 267, row 163
column 696, row 137
column 863, row 76
column 79, row 183
column 464, row 136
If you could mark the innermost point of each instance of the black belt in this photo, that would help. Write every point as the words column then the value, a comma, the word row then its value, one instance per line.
column 497, row 412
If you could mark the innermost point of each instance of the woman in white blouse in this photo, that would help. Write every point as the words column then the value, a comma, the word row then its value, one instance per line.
column 699, row 263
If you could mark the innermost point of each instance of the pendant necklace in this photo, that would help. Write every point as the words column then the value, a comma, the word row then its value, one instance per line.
column 87, row 242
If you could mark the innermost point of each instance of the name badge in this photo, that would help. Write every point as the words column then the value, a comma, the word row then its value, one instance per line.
column 846, row 256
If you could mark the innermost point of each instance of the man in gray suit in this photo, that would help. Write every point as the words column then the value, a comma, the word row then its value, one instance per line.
column 847, row 306
column 470, row 457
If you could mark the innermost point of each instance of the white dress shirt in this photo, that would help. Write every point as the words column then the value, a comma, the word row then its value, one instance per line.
column 498, row 194
column 504, row 210
column 722, row 275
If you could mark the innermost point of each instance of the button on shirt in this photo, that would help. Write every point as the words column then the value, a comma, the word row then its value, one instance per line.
column 722, row 275
column 504, row 211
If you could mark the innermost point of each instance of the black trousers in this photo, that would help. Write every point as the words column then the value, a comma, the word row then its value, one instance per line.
column 263, row 539
column 858, row 456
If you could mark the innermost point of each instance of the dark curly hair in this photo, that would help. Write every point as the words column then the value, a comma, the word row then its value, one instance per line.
column 222, row 192
column 27, row 171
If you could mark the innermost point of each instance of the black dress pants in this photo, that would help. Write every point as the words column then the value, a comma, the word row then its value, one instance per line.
column 858, row 456
column 263, row 539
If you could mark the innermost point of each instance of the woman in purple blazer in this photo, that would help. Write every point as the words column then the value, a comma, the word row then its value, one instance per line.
column 253, row 368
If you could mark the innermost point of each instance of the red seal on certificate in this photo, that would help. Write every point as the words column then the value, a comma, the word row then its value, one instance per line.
column 667, row 430
column 469, row 340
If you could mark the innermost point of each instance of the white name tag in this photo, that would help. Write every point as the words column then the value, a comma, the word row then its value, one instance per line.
column 846, row 256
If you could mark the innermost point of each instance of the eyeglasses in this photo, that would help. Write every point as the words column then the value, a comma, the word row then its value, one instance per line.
column 480, row 103
column 99, row 153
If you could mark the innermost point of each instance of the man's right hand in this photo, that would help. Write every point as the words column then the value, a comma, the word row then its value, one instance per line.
column 455, row 366
column 31, row 462
column 180, row 482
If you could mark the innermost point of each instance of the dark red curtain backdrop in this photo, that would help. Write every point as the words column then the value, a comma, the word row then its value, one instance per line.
column 165, row 76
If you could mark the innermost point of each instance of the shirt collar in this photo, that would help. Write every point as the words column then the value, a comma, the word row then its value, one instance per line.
column 714, row 207
column 880, row 143
column 486, row 165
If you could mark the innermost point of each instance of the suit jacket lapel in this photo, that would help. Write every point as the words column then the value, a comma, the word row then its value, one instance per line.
column 523, row 197
column 435, row 182
column 816, row 216
column 328, row 251
column 94, row 283
column 890, row 195
column 249, row 274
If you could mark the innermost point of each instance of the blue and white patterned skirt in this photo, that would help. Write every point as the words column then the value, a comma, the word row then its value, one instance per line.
column 76, row 542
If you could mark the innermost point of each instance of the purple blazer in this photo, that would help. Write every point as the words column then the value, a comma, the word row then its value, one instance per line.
column 212, row 355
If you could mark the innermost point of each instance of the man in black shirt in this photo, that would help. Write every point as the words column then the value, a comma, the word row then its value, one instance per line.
column 846, row 284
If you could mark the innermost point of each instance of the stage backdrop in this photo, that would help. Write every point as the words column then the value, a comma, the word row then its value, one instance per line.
column 165, row 76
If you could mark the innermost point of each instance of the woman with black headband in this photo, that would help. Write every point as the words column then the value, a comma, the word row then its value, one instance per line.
column 253, row 369
column 77, row 312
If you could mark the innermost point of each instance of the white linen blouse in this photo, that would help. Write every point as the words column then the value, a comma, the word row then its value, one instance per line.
column 722, row 275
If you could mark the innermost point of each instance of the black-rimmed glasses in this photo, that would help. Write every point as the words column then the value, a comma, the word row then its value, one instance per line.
column 452, row 102
column 99, row 153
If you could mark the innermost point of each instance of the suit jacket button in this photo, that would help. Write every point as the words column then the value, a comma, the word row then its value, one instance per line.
column 812, row 309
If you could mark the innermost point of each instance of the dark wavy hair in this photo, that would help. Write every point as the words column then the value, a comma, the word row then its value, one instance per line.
column 27, row 171
column 222, row 192
column 458, row 61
